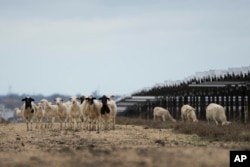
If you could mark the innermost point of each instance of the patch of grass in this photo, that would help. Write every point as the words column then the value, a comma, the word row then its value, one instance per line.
column 232, row 132
column 236, row 131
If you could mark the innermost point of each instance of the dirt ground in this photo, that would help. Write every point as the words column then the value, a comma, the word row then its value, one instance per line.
column 127, row 146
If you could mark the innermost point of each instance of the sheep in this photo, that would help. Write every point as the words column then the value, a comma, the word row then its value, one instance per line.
column 108, row 110
column 162, row 112
column 83, row 104
column 39, row 115
column 93, row 112
column 63, row 111
column 50, row 112
column 188, row 113
column 28, row 108
column 18, row 114
column 75, row 112
column 216, row 113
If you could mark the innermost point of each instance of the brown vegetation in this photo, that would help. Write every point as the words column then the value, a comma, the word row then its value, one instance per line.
column 236, row 132
column 151, row 143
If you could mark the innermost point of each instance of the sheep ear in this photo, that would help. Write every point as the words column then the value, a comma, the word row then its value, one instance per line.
column 32, row 99
column 24, row 99
column 62, row 100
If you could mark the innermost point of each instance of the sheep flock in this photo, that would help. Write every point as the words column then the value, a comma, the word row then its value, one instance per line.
column 214, row 112
column 85, row 112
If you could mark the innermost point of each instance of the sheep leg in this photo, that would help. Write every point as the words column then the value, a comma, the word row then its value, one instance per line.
column 30, row 125
column 61, row 125
column 36, row 124
column 114, row 123
column 89, row 124
column 65, row 124
column 79, row 121
column 40, row 123
column 27, row 125
column 163, row 118
column 208, row 121
column 216, row 122
column 98, row 124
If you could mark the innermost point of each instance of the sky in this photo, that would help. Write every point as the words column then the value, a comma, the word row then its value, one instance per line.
column 117, row 47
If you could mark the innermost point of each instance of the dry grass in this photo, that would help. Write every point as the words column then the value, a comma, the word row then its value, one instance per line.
column 235, row 132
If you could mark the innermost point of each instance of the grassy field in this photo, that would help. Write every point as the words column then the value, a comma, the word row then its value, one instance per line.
column 235, row 132
column 151, row 143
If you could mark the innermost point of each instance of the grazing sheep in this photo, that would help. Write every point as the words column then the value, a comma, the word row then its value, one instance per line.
column 75, row 112
column 39, row 115
column 188, row 113
column 18, row 114
column 108, row 111
column 216, row 113
column 50, row 112
column 93, row 112
column 28, row 108
column 63, row 112
column 162, row 112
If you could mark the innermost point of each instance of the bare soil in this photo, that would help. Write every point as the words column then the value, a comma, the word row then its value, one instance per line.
column 128, row 145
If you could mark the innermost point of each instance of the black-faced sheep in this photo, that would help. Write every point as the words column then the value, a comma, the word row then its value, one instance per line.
column 28, row 108
column 108, row 111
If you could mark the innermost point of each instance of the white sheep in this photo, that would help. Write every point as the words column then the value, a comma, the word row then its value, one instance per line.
column 108, row 111
column 216, row 113
column 75, row 112
column 188, row 113
column 28, row 108
column 162, row 112
column 93, row 112
column 39, row 115
column 50, row 112
column 63, row 111
column 83, row 105
column 18, row 114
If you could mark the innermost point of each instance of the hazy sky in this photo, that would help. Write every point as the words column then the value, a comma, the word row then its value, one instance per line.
column 117, row 47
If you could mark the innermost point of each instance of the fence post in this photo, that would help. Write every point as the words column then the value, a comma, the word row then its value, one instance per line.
column 237, row 114
column 243, row 91
column 148, row 109
column 227, row 105
column 203, row 107
column 231, row 104
column 174, row 107
column 185, row 99
column 139, row 111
